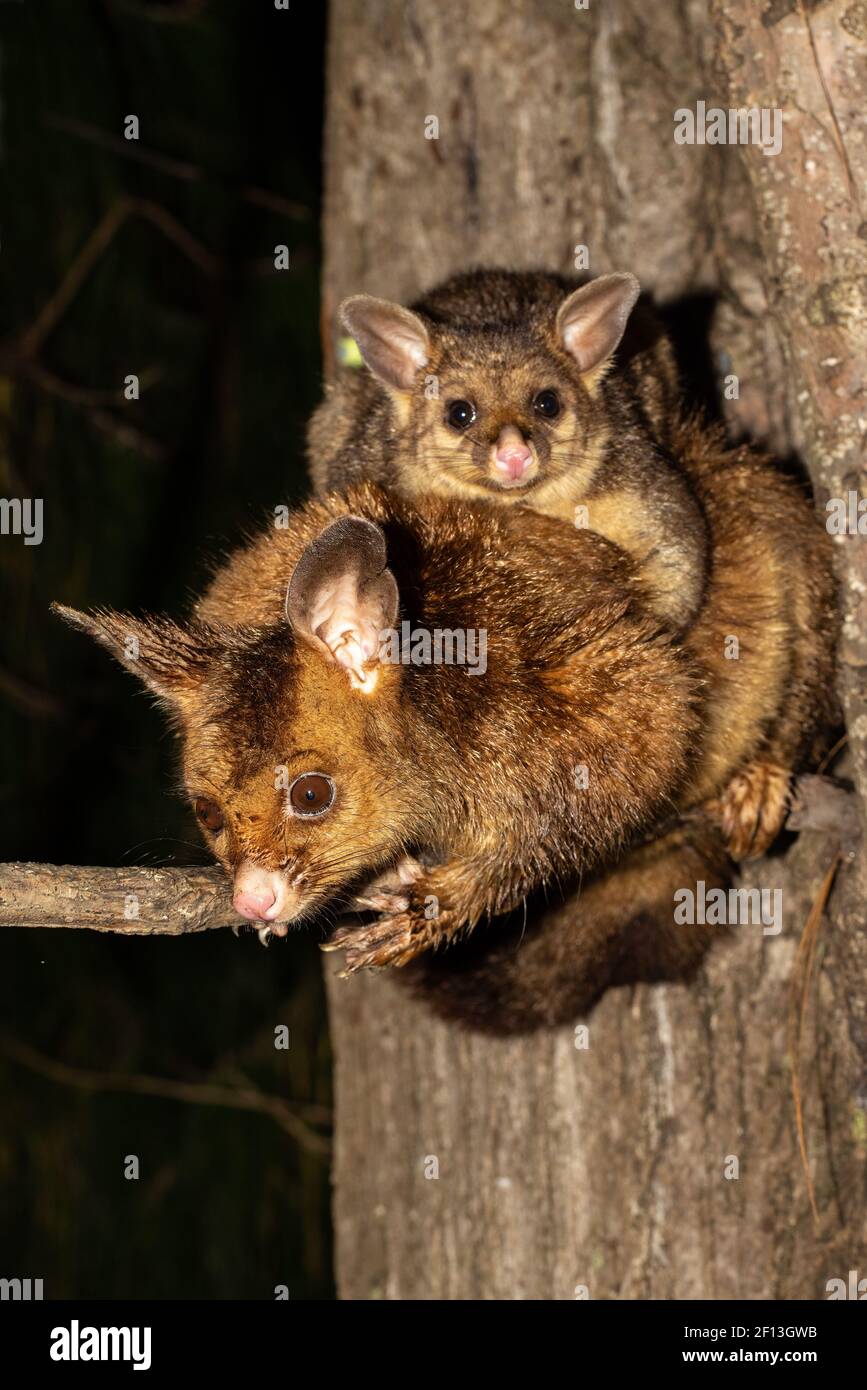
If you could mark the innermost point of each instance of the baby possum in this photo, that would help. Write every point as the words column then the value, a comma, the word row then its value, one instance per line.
column 504, row 386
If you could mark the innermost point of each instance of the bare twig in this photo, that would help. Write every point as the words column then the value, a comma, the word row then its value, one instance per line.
column 31, row 340
column 36, row 703
column 832, row 752
column 174, row 168
column 19, row 357
column 128, row 149
column 179, row 13
column 131, row 901
column 247, row 1097
column 92, row 404
column 176, row 232
column 275, row 202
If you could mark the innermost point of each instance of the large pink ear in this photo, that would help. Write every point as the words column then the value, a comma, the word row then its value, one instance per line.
column 393, row 341
column 342, row 597
column 170, row 659
column 590, row 323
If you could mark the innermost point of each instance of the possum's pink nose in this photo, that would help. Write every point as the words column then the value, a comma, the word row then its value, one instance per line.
column 254, row 906
column 512, row 457
column 262, row 895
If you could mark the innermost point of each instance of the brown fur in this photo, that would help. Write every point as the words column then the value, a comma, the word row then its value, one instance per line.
column 476, row 772
column 770, row 587
column 494, row 341
column 768, row 714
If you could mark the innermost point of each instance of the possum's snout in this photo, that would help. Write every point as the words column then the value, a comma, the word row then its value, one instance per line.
column 265, row 895
column 512, row 461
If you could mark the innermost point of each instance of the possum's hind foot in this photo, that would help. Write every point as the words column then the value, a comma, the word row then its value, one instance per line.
column 752, row 808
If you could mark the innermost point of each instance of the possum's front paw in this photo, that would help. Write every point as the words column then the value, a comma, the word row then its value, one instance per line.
column 386, row 892
column 396, row 938
column 752, row 809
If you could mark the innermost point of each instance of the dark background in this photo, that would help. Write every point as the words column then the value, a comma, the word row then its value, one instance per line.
column 226, row 347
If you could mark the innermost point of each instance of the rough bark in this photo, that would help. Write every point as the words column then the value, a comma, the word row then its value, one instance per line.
column 605, row 1167
column 811, row 231
column 131, row 901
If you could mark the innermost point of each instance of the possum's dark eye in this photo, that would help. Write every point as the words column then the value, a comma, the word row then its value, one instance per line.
column 311, row 794
column 460, row 414
column 208, row 813
column 547, row 404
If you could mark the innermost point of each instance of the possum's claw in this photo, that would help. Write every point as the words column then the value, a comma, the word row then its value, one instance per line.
column 381, row 902
column 389, row 885
column 752, row 809
column 394, row 940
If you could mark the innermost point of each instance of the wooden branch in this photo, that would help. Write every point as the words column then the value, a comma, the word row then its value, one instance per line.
column 177, row 233
column 168, row 902
column 127, row 435
column 245, row 1097
column 275, row 202
column 175, row 168
column 180, row 13
column 31, row 340
column 127, row 149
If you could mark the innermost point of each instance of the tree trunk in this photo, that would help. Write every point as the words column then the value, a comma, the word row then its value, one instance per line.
column 611, row 1168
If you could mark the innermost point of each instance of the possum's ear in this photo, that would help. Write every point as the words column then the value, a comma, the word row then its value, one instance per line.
column 393, row 341
column 343, row 596
column 171, row 660
column 590, row 323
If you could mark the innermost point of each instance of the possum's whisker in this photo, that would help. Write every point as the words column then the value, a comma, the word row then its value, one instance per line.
column 166, row 839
